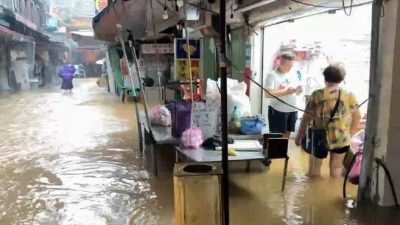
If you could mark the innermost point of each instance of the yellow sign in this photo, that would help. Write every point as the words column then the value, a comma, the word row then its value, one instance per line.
column 182, row 69
column 80, row 23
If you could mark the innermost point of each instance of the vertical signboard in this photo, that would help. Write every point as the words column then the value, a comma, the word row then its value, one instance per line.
column 182, row 49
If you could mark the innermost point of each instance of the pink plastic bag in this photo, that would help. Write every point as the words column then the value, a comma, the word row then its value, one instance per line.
column 192, row 138
column 357, row 144
column 355, row 171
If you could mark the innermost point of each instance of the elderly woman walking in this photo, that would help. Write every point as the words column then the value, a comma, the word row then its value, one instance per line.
column 334, row 117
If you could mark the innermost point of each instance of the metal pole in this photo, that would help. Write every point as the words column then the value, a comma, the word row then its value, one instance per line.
column 262, row 66
column 224, row 115
column 121, row 40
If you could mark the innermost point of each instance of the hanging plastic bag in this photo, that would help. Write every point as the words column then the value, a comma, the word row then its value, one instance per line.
column 357, row 145
column 213, row 90
column 160, row 115
column 192, row 138
column 355, row 170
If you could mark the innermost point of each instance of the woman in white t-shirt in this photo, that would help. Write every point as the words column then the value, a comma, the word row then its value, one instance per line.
column 285, row 84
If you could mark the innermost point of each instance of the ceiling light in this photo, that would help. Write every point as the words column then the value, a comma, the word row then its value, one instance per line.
column 165, row 14
column 179, row 3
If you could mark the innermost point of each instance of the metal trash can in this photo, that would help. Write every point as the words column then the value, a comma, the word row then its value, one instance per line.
column 197, row 190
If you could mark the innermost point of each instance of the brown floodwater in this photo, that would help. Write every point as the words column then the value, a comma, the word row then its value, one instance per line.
column 73, row 159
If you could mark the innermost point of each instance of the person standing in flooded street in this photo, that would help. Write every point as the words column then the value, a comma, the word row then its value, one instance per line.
column 333, row 110
column 66, row 73
column 284, row 84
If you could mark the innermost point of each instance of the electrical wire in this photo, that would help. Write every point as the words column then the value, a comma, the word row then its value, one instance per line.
column 382, row 164
column 314, row 5
column 318, row 13
column 344, row 7
column 348, row 13
column 288, row 104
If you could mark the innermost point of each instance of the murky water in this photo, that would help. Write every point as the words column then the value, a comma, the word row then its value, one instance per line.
column 73, row 159
column 69, row 159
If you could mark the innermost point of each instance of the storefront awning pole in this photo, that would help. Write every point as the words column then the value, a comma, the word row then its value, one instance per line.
column 224, row 116
column 135, row 61
column 153, row 20
column 364, row 191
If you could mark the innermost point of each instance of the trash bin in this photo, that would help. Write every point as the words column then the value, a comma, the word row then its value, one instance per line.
column 197, row 194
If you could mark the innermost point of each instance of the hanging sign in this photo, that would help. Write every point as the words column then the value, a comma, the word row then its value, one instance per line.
column 182, row 49
column 157, row 48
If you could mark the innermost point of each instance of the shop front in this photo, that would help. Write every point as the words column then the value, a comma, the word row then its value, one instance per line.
column 318, row 41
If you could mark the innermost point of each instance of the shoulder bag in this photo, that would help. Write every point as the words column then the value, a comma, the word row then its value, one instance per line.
column 315, row 143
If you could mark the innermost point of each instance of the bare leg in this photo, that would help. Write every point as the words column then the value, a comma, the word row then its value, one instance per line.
column 314, row 169
column 336, row 164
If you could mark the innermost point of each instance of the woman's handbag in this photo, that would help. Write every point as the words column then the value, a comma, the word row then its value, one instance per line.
column 315, row 143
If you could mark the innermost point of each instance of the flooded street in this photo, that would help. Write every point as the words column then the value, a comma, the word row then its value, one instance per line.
column 72, row 159
column 69, row 159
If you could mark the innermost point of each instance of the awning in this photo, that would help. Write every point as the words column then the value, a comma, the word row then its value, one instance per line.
column 5, row 32
column 85, row 33
column 90, row 48
column 135, row 16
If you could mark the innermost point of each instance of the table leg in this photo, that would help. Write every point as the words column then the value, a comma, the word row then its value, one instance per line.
column 154, row 158
column 285, row 174
column 143, row 138
column 248, row 166
column 176, row 156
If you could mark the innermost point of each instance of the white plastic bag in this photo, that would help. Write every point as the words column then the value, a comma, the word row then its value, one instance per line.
column 212, row 91
column 160, row 115
column 236, row 95
column 237, row 98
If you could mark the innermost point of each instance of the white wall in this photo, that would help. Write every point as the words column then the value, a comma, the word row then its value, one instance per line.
column 255, row 91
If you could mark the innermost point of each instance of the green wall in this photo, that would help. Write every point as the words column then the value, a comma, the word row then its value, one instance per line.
column 209, row 59
column 115, row 61
column 238, row 52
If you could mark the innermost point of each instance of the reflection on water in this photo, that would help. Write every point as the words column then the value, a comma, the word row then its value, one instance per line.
column 72, row 159
column 257, row 199
column 68, row 159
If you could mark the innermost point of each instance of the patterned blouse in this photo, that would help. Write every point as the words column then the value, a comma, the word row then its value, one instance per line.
column 321, row 103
